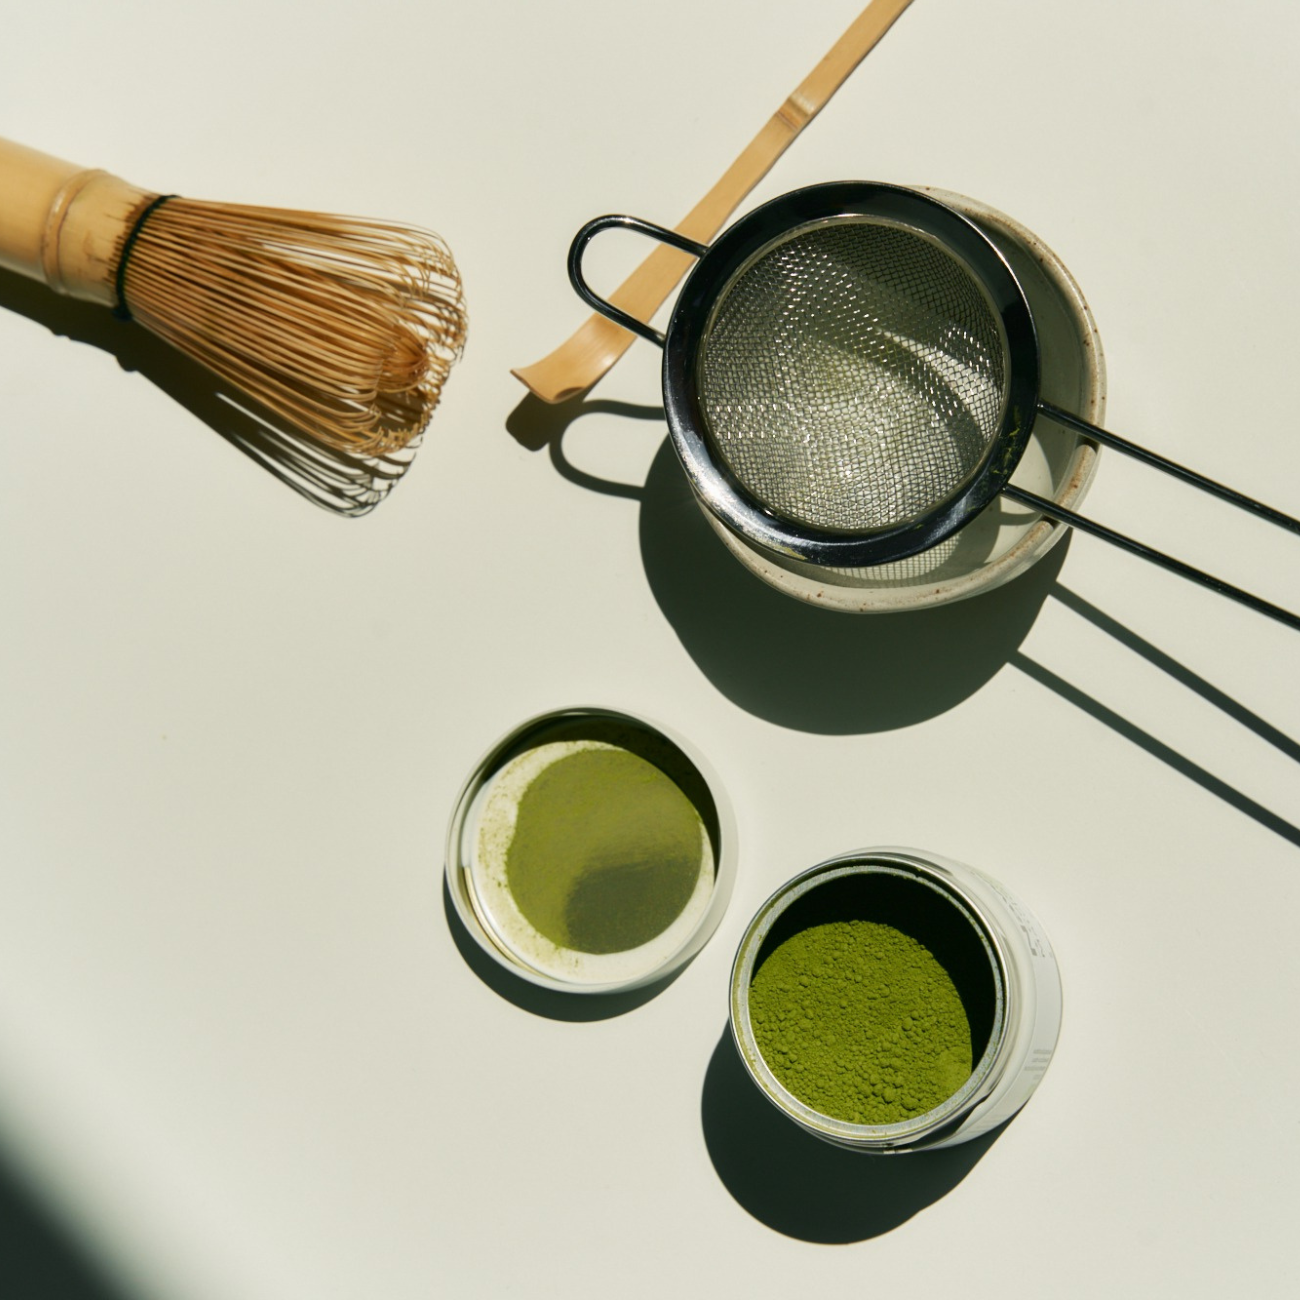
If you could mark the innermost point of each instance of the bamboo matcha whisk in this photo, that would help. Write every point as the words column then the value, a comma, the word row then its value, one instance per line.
column 343, row 327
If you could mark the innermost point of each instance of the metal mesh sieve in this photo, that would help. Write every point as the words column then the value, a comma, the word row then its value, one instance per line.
column 852, row 375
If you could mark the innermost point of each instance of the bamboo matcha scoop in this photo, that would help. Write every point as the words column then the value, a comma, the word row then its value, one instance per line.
column 584, row 358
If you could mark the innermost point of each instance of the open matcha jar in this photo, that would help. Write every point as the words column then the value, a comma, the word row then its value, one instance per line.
column 891, row 1001
column 591, row 852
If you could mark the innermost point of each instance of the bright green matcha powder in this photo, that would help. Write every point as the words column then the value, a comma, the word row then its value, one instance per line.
column 860, row 1022
column 606, row 851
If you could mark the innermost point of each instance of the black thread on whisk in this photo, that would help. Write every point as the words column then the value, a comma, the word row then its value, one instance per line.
column 122, row 311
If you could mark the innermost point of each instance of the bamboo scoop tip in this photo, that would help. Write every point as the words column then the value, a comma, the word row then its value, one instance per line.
column 578, row 364
column 534, row 379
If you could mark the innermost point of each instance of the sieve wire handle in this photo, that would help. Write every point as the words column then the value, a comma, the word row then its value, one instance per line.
column 591, row 298
column 1227, row 494
column 1084, row 525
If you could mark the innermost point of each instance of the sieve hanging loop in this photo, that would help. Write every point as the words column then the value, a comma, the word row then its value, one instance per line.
column 591, row 298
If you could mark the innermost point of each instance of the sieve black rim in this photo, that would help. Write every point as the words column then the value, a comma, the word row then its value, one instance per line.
column 713, row 481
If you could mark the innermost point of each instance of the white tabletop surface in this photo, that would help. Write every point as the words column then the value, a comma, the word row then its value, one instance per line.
column 242, row 1052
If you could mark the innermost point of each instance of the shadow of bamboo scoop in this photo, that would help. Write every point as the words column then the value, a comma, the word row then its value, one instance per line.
column 583, row 359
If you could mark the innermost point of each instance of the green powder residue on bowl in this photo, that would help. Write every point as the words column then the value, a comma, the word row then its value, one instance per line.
column 606, row 851
column 860, row 1022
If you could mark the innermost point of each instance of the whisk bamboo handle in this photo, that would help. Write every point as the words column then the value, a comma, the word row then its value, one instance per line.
column 63, row 224
column 587, row 355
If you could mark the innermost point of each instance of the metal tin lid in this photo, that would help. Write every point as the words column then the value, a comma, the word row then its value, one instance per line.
column 591, row 852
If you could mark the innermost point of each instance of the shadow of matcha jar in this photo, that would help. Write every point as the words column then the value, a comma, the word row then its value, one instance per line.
column 891, row 1001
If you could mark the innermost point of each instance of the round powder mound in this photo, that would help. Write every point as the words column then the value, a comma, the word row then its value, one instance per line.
column 605, row 853
column 860, row 1022
column 591, row 865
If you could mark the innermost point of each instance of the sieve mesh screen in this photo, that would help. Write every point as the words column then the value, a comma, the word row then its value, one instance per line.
column 853, row 376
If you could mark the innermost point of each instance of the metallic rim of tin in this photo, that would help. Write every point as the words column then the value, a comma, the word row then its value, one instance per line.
column 719, row 823
column 882, row 1137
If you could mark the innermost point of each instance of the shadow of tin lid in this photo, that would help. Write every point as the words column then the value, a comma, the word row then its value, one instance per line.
column 591, row 851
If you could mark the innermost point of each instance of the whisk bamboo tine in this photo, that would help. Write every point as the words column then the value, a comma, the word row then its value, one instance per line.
column 587, row 355
column 344, row 327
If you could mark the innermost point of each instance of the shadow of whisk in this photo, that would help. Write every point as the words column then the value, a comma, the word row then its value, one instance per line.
column 337, row 481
